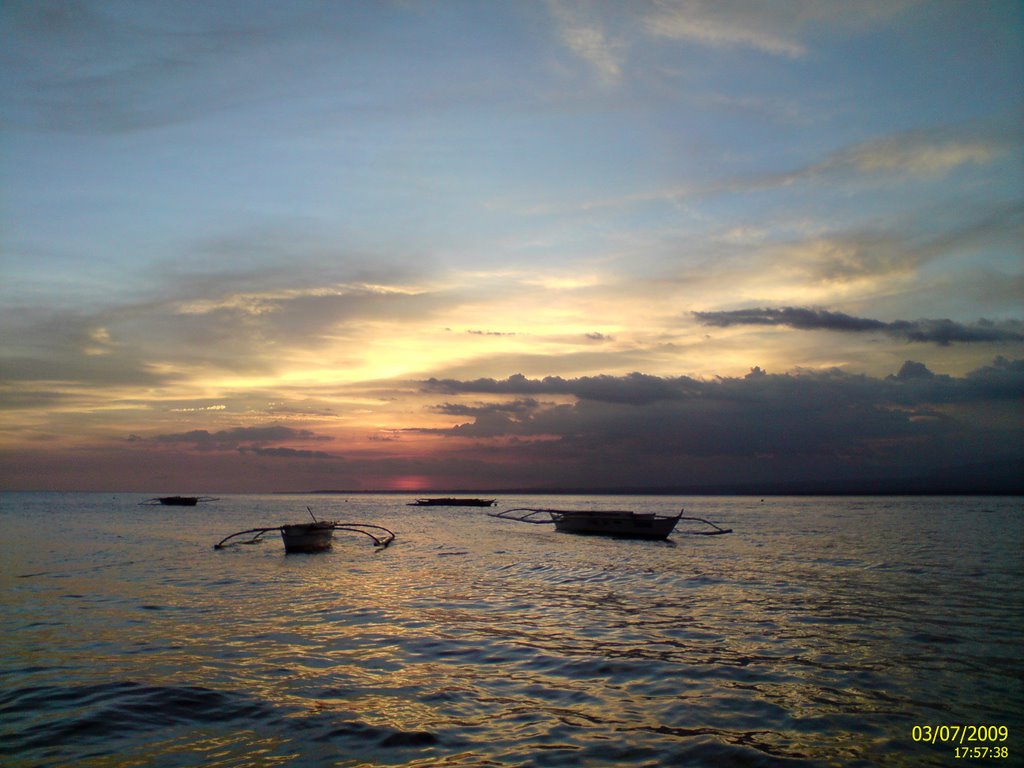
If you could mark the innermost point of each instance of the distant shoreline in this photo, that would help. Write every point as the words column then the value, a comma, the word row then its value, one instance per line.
column 703, row 491
column 992, row 485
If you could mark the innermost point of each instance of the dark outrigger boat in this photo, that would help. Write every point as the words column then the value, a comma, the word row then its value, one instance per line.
column 312, row 537
column 177, row 501
column 618, row 523
column 450, row 502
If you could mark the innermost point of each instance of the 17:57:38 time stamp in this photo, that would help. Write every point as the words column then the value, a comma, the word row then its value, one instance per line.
column 992, row 753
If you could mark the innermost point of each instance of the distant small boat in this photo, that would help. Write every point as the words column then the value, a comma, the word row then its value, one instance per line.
column 450, row 502
column 178, row 501
column 317, row 536
column 618, row 523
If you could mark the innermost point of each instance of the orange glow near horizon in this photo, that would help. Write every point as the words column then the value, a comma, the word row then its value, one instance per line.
column 410, row 483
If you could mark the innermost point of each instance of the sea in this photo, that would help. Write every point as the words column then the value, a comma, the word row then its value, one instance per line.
column 838, row 631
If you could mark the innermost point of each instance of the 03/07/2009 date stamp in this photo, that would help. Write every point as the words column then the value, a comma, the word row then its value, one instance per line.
column 970, row 741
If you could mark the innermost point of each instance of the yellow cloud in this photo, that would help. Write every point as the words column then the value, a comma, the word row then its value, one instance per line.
column 915, row 155
column 710, row 25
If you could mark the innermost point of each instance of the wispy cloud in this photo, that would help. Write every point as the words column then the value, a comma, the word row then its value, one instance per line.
column 779, row 28
column 924, row 155
column 761, row 27
column 928, row 153
column 606, row 37
column 837, row 261
column 582, row 31
column 943, row 332
column 89, row 67
column 146, row 342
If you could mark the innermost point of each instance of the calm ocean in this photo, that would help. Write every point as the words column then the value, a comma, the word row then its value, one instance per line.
column 823, row 631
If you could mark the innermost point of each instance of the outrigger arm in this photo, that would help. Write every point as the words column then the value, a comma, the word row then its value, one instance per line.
column 380, row 541
column 717, row 532
column 527, row 515
column 254, row 540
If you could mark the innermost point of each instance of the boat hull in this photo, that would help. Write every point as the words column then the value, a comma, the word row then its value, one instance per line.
column 179, row 501
column 307, row 537
column 625, row 525
column 453, row 503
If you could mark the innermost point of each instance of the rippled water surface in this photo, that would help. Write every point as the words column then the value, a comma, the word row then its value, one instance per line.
column 818, row 633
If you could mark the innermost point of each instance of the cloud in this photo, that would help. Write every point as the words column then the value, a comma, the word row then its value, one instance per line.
column 239, row 438
column 832, row 265
column 930, row 152
column 943, row 332
column 760, row 426
column 604, row 36
column 910, row 154
column 1003, row 379
column 83, row 69
column 999, row 381
column 293, row 314
column 776, row 28
column 635, row 388
column 488, row 419
column 584, row 34
column 912, row 370
column 625, row 431
column 86, row 67
column 14, row 399
column 517, row 407
column 173, row 339
column 920, row 154
column 287, row 453
column 726, row 25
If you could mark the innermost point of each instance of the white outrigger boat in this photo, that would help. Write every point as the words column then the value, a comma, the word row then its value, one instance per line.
column 618, row 523
column 312, row 537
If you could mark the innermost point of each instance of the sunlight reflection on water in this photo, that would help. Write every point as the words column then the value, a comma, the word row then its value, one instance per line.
column 819, row 633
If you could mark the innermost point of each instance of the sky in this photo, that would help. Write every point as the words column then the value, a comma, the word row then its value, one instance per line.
column 284, row 246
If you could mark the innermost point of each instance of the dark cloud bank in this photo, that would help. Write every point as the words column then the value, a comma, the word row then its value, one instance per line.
column 943, row 332
column 915, row 431
column 814, row 431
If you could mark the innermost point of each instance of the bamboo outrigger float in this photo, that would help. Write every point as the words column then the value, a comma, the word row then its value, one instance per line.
column 317, row 536
column 618, row 523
